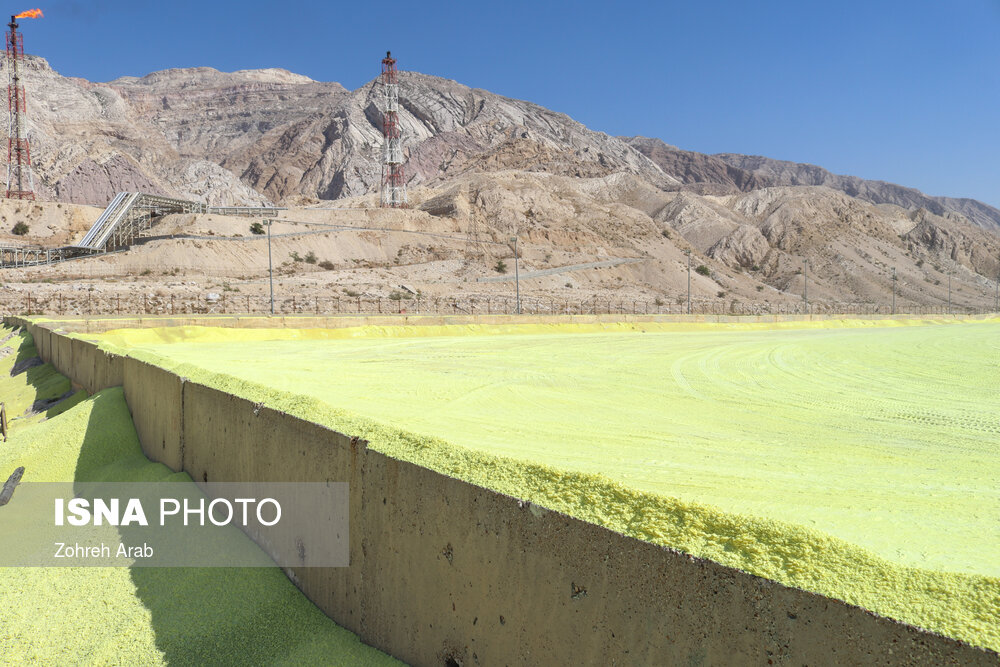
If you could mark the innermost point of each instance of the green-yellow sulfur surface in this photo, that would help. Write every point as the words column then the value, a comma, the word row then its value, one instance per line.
column 854, row 459
column 136, row 616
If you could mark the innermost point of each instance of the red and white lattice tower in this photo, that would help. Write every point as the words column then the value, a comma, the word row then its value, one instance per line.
column 20, row 184
column 393, row 180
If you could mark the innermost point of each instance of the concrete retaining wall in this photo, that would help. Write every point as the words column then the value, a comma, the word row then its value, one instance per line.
column 444, row 572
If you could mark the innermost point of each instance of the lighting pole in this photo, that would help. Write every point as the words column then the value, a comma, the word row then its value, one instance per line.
column 270, row 267
column 688, row 252
column 894, row 290
column 517, row 279
column 996, row 298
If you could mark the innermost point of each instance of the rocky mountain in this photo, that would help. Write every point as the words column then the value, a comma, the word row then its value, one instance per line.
column 730, row 171
column 271, row 135
column 698, row 171
column 252, row 136
column 487, row 166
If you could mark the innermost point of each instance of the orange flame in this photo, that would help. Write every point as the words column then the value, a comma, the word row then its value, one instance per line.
column 30, row 14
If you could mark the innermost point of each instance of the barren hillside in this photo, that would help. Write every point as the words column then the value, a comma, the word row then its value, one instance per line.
column 614, row 239
column 596, row 216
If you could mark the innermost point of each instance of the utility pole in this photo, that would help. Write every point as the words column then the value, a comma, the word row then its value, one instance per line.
column 270, row 267
column 517, row 279
column 996, row 298
column 689, row 280
column 805, row 288
column 949, row 292
column 894, row 290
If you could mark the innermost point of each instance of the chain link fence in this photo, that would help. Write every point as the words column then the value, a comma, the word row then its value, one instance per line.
column 234, row 304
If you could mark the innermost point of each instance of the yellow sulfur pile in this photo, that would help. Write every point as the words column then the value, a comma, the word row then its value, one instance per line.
column 854, row 459
column 137, row 616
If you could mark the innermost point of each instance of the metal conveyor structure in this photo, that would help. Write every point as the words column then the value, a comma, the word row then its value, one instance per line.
column 129, row 216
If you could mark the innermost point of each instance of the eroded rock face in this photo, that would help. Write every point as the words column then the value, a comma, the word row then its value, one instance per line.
column 746, row 247
column 449, row 129
column 769, row 173
column 697, row 168
column 95, row 183
column 277, row 136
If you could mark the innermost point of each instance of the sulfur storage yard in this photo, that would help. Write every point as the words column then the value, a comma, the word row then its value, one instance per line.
column 851, row 459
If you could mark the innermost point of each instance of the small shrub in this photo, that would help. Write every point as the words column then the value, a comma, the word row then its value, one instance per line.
column 920, row 262
column 146, row 272
column 720, row 294
column 569, row 284
column 326, row 264
column 20, row 229
column 760, row 288
column 295, row 257
column 658, row 301
column 501, row 266
column 755, row 267
column 703, row 270
column 667, row 234
column 310, row 257
column 257, row 228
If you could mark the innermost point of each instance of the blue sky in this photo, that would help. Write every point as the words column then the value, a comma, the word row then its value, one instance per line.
column 898, row 91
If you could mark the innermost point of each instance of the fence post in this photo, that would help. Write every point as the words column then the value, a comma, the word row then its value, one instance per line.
column 172, row 309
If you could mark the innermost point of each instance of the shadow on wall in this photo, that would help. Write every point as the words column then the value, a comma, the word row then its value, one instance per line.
column 41, row 390
column 211, row 615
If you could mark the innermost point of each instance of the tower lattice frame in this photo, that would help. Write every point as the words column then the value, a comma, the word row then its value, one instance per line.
column 393, row 177
column 20, row 182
